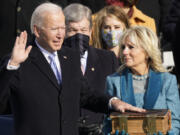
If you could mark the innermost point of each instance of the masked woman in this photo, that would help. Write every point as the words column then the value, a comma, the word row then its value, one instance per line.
column 109, row 24
column 142, row 81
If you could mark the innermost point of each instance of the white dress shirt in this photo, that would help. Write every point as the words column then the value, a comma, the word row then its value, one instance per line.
column 84, row 61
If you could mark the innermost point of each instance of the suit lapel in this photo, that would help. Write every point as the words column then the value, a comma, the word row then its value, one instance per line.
column 92, row 62
column 65, row 65
column 40, row 61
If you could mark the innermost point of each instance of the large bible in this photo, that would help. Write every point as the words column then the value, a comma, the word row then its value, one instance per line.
column 144, row 123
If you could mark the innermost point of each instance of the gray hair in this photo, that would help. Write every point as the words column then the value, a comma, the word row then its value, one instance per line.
column 41, row 11
column 76, row 12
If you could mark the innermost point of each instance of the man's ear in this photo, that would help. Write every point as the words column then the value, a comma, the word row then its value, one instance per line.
column 36, row 31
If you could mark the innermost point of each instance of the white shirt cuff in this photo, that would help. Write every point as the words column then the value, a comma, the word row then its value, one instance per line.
column 11, row 67
column 110, row 105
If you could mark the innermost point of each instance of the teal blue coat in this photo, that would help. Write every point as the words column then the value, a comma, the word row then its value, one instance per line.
column 168, row 97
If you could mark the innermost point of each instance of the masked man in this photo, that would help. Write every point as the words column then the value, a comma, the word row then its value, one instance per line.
column 96, row 64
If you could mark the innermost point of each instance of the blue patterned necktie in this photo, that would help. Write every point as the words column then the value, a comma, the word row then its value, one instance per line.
column 54, row 67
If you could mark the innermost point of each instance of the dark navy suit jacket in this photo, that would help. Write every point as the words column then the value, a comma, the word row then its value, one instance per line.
column 100, row 63
column 39, row 104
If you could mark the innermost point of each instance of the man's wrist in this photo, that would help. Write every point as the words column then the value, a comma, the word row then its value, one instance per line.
column 11, row 66
column 110, row 105
column 13, row 63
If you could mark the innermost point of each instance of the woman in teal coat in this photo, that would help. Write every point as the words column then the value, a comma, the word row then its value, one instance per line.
column 142, row 80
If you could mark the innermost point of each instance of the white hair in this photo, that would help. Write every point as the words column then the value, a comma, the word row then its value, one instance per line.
column 41, row 11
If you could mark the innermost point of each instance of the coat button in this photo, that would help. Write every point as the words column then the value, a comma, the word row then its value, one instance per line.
column 64, row 122
column 83, row 121
column 92, row 69
column 18, row 9
column 65, row 57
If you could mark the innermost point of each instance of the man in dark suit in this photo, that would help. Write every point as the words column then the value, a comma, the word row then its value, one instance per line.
column 95, row 63
column 44, row 82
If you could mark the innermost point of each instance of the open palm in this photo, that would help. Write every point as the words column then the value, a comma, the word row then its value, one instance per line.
column 20, row 52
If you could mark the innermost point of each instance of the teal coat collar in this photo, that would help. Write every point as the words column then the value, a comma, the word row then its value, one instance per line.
column 151, row 94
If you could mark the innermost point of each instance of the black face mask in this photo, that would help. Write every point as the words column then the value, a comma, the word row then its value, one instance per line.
column 79, row 42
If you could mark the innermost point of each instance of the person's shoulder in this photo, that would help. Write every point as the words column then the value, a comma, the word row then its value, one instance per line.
column 169, row 81
column 168, row 76
column 105, row 56
column 140, row 15
column 114, row 75
column 101, row 51
column 68, row 51
column 113, row 78
column 139, row 18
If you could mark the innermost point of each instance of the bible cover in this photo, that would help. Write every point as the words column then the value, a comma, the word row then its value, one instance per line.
column 144, row 123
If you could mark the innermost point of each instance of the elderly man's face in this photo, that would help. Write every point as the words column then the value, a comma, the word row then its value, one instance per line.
column 82, row 27
column 51, row 35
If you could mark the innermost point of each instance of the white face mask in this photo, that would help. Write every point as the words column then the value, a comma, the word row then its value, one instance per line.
column 111, row 38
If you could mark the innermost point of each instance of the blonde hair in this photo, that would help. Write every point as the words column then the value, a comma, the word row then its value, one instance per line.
column 110, row 11
column 146, row 39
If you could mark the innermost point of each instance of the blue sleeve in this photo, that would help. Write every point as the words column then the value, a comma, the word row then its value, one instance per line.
column 173, row 103
column 110, row 89
column 109, row 86
column 113, row 85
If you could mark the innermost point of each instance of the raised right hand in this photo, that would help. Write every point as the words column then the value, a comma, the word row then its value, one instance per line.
column 20, row 52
